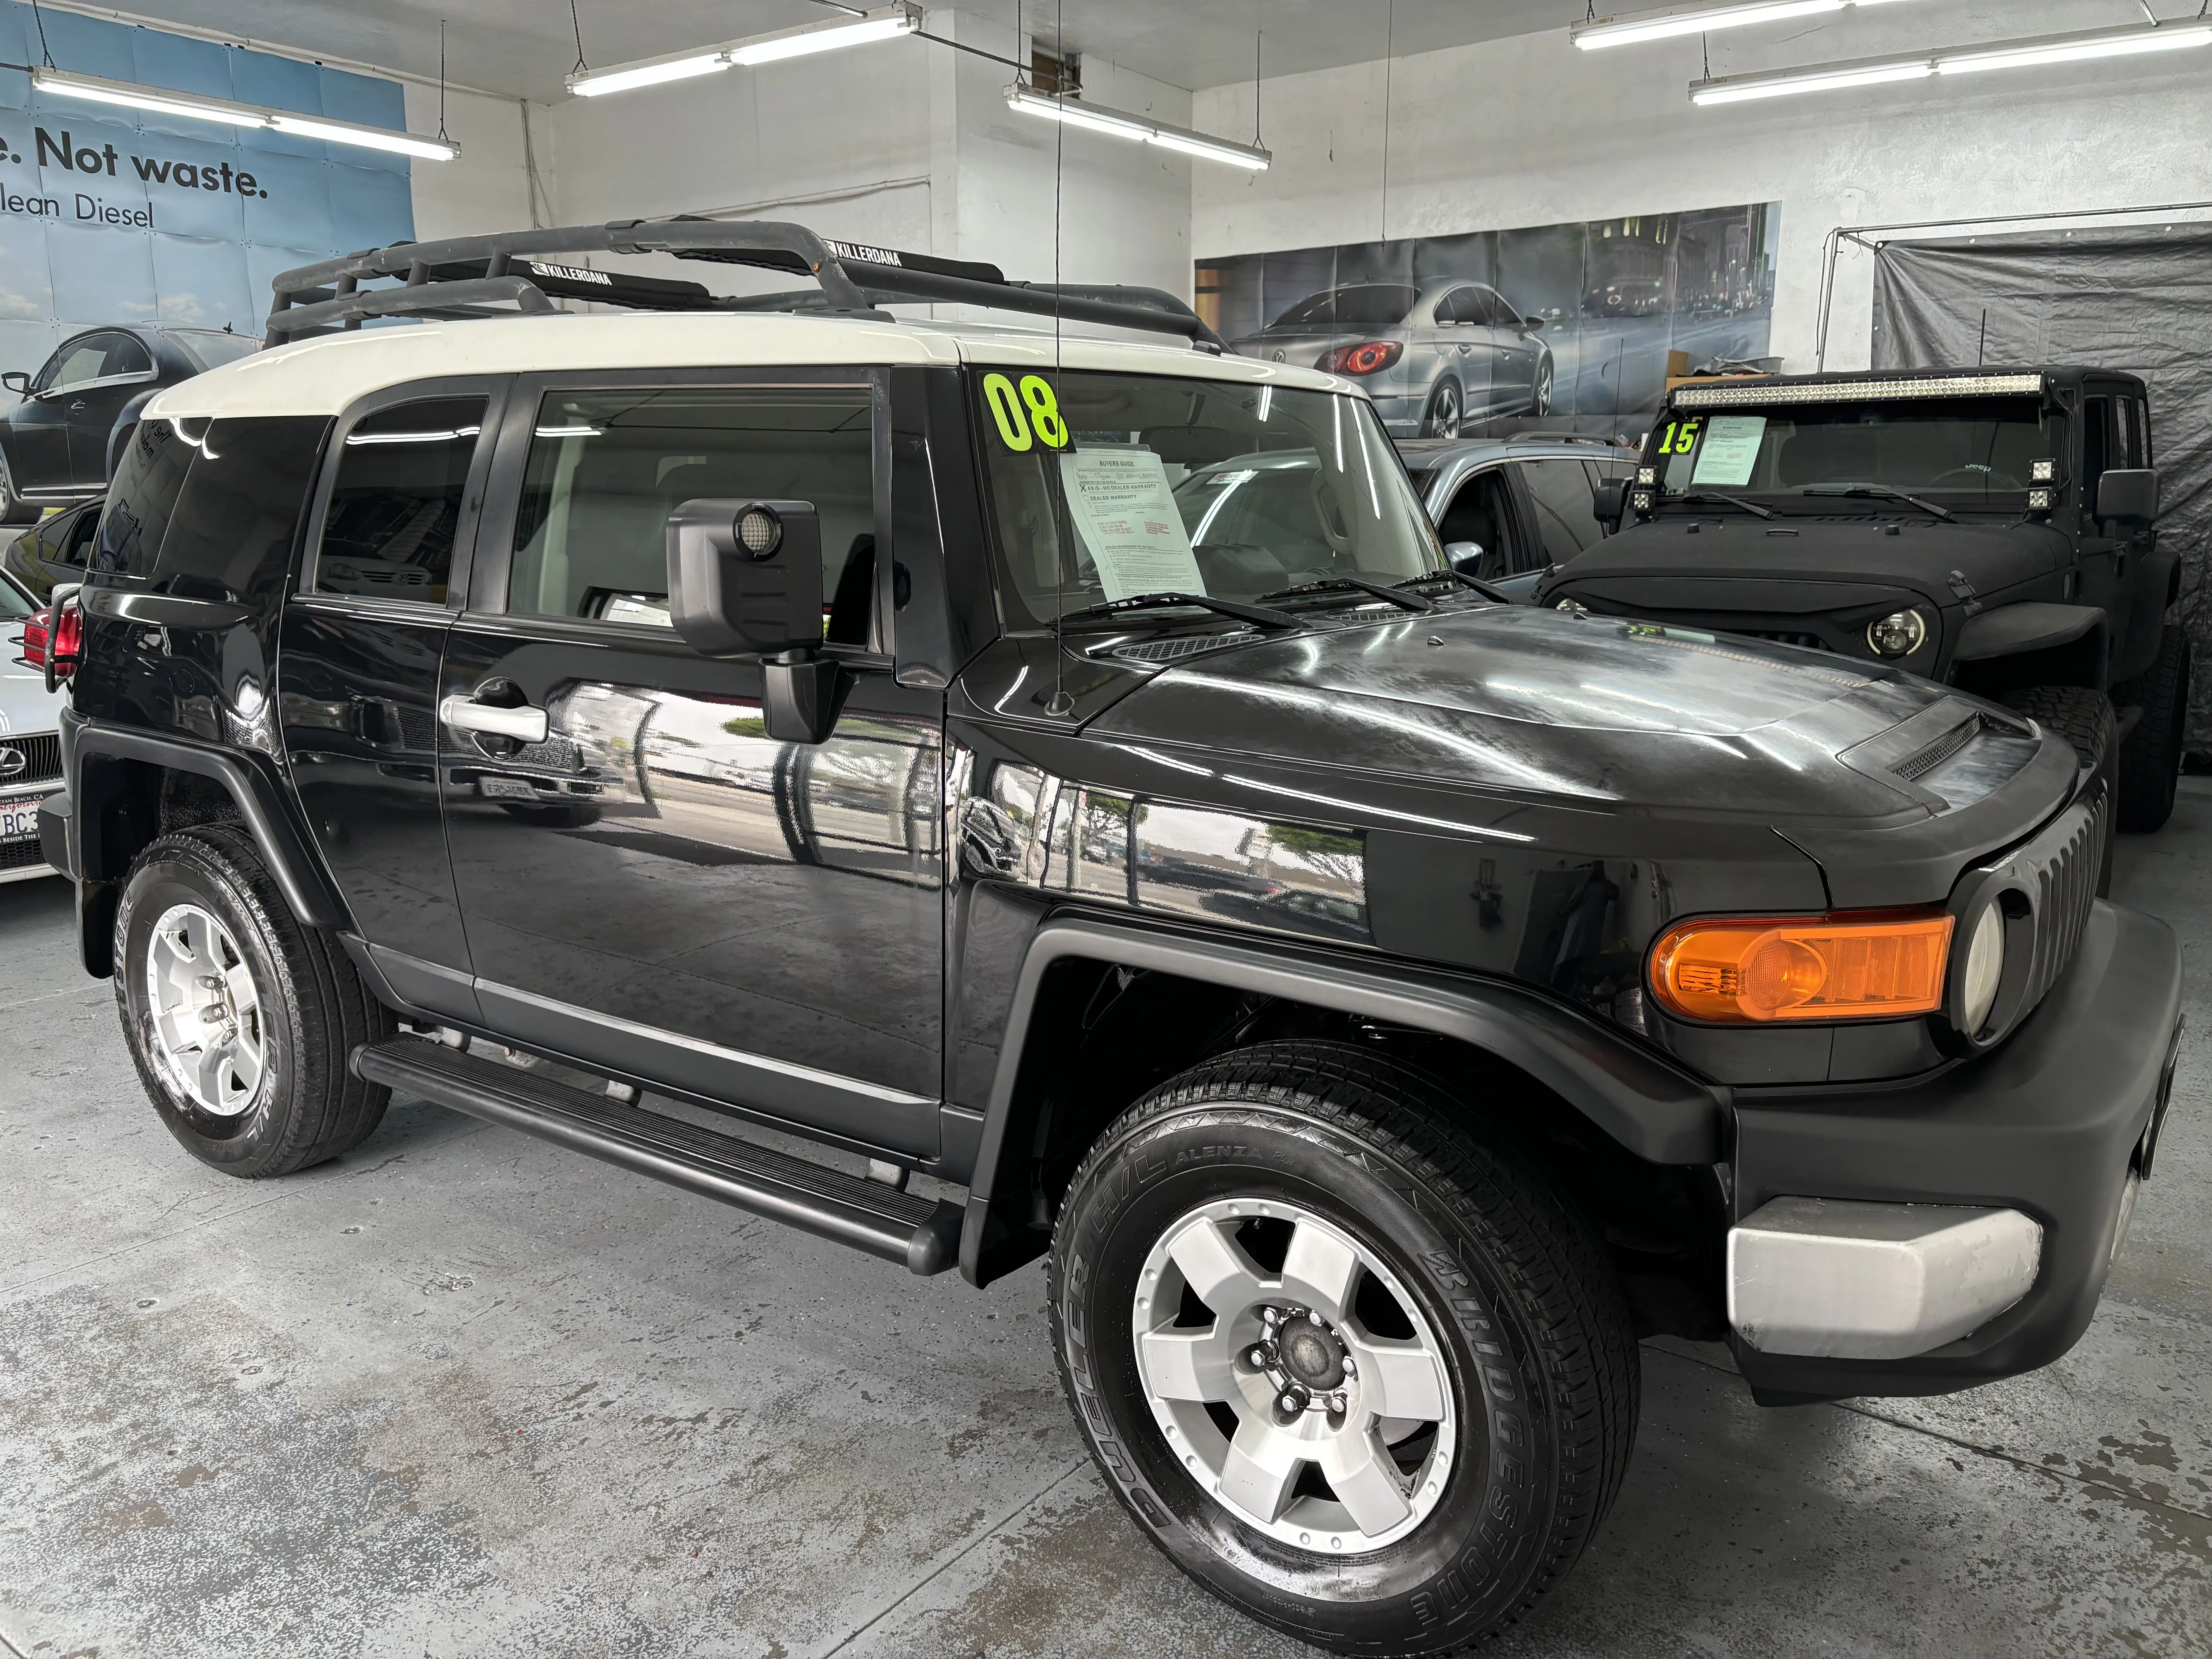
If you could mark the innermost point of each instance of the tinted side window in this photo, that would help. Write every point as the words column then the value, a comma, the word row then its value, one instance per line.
column 1561, row 493
column 79, row 359
column 607, row 468
column 126, row 356
column 397, row 503
column 147, row 479
column 232, row 532
column 1462, row 305
column 1497, row 312
column 2142, row 427
column 2096, row 444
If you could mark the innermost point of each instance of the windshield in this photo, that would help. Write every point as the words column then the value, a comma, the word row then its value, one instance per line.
column 212, row 348
column 1115, row 485
column 1367, row 305
column 1958, row 452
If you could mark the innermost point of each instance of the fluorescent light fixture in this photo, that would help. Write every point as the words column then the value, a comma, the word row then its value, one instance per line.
column 1956, row 60
column 1094, row 118
column 1639, row 27
column 885, row 23
column 96, row 90
column 2075, row 48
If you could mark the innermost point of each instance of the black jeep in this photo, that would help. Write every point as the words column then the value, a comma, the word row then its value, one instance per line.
column 1070, row 771
column 1991, row 528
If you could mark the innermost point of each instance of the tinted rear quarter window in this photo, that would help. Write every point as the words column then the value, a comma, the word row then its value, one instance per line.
column 397, row 502
column 210, row 510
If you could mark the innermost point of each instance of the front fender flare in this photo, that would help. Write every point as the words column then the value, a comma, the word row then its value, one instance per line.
column 1660, row 1113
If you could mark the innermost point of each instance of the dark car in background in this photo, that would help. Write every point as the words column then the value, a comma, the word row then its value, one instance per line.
column 1431, row 355
column 54, row 550
column 56, row 446
column 1507, row 509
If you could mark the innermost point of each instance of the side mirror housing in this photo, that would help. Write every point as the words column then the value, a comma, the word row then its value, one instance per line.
column 17, row 381
column 745, row 579
column 1608, row 501
column 1466, row 557
column 2130, row 494
column 1534, row 325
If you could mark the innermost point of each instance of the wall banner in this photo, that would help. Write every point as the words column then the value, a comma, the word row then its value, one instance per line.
column 1569, row 326
column 115, row 216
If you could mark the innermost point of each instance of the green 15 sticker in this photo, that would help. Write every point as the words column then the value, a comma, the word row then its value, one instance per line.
column 1680, row 438
column 1031, row 415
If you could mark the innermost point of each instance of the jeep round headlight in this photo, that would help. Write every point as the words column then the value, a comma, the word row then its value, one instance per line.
column 1899, row 634
column 1985, row 951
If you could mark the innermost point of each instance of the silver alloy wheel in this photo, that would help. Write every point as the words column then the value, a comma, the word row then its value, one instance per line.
column 209, row 1038
column 1291, row 1360
column 1540, row 402
column 1444, row 411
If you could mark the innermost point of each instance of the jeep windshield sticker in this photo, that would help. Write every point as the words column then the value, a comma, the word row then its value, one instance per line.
column 1126, row 516
column 1027, row 416
column 1729, row 451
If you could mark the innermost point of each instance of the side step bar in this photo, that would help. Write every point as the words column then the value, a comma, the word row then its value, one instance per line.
column 868, row 1215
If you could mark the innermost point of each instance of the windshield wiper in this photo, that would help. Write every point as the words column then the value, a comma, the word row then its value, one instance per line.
column 1403, row 600
column 1460, row 578
column 1258, row 615
column 1881, row 492
column 1715, row 496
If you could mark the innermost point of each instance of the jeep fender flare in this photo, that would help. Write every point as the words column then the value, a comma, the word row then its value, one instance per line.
column 93, row 864
column 1655, row 1111
column 2019, row 630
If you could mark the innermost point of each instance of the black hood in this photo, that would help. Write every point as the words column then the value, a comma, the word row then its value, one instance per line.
column 1732, row 561
column 1547, row 705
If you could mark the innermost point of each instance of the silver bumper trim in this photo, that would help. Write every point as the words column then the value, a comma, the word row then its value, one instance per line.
column 1837, row 1278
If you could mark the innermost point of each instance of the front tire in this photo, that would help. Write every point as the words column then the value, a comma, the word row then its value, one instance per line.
column 240, row 1020
column 2150, row 758
column 1410, row 1472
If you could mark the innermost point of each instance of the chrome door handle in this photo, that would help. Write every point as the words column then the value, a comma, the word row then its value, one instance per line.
column 524, row 725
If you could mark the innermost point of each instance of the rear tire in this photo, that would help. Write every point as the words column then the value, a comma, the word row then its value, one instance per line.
column 1446, row 414
column 2084, row 719
column 1512, row 1403
column 239, row 1019
column 2150, row 758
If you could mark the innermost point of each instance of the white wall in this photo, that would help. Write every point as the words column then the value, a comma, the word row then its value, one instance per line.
column 1529, row 132
column 488, row 188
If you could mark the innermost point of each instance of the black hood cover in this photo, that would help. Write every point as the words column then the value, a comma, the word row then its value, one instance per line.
column 1545, row 704
column 1738, row 563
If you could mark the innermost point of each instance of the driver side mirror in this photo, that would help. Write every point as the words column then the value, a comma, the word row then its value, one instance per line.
column 1470, row 559
column 745, row 579
column 17, row 381
column 2130, row 494
column 1532, row 324
column 1608, row 501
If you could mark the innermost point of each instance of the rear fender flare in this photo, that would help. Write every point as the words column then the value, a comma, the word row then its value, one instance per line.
column 1657, row 1113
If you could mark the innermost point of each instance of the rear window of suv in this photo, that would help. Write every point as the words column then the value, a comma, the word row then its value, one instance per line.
column 210, row 509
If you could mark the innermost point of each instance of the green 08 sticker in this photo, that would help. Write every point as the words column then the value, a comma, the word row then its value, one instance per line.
column 1027, row 416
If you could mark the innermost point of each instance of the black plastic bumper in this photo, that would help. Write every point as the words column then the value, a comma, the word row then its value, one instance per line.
column 2047, row 1124
column 54, row 815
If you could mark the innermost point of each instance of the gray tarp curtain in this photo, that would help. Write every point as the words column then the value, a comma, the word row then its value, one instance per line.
column 2139, row 300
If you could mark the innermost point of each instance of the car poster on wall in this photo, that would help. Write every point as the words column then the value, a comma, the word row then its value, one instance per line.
column 1571, row 325
column 111, row 216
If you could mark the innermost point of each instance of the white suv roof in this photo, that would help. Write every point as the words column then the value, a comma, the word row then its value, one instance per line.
column 325, row 375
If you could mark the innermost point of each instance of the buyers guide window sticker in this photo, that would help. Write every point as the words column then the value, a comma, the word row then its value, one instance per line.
column 1729, row 451
column 1124, row 514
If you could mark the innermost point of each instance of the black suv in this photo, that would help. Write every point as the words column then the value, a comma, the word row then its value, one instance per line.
column 1992, row 528
column 1380, row 1004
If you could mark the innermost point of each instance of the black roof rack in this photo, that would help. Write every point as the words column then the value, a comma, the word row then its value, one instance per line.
column 528, row 270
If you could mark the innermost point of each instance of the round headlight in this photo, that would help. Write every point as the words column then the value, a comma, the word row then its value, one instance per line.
column 1985, row 950
column 759, row 531
column 1899, row 634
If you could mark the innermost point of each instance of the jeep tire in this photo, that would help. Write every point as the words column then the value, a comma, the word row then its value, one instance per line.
column 2084, row 719
column 2150, row 758
column 1492, row 1342
column 240, row 1020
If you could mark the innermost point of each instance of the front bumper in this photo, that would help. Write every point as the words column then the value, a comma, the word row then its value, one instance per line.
column 2051, row 1125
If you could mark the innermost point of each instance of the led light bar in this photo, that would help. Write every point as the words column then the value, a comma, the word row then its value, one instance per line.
column 2079, row 47
column 885, row 23
column 94, row 89
column 1763, row 392
column 1637, row 28
column 1095, row 117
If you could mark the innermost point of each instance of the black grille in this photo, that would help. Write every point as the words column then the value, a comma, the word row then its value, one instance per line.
column 42, row 759
column 20, row 854
column 1809, row 642
column 2063, row 879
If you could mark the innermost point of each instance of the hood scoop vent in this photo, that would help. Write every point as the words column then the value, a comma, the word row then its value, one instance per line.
column 1917, row 765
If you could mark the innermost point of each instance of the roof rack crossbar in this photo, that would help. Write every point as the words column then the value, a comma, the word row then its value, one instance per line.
column 314, row 297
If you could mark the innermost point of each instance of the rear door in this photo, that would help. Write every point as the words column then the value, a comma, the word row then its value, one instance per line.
column 400, row 495
column 1558, row 492
column 1483, row 511
column 651, row 882
column 39, row 462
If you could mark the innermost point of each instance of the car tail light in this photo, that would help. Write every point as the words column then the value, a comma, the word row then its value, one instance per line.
column 1867, row 966
column 34, row 641
column 61, row 639
column 1372, row 358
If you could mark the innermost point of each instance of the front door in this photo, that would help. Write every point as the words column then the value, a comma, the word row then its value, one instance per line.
column 651, row 882
column 357, row 669
column 39, row 430
column 1513, row 362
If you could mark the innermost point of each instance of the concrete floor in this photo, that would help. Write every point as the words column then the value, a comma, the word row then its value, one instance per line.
column 462, row 1395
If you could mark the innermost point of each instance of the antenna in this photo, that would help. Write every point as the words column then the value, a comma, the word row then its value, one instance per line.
column 1981, row 351
column 1062, row 702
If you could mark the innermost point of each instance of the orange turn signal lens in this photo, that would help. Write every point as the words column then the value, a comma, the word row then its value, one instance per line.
column 1871, row 965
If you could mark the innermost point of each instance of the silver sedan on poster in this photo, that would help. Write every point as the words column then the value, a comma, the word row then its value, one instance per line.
column 1432, row 355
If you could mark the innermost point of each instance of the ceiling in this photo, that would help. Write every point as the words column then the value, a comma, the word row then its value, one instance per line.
column 522, row 48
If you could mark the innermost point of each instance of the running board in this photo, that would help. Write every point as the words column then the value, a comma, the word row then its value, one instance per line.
column 868, row 1215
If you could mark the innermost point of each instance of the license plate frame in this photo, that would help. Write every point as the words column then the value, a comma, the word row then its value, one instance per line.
column 19, row 819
